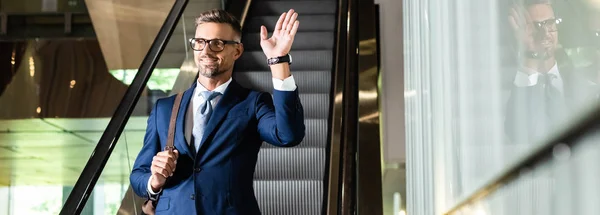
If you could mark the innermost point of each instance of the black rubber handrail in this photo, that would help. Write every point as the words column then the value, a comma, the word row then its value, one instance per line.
column 344, row 118
column 95, row 165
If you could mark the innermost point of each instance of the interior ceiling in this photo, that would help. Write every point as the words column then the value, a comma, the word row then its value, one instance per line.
column 54, row 151
column 126, row 30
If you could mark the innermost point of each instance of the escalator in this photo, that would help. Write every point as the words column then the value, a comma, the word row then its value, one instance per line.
column 287, row 180
column 290, row 180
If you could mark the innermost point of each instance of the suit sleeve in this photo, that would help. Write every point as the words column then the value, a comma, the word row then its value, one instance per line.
column 281, row 118
column 141, row 168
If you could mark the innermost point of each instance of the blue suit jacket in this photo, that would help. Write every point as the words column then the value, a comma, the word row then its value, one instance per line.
column 218, row 179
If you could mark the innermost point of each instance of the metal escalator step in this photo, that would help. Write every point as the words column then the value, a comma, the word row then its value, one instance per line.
column 302, row 41
column 194, row 8
column 275, row 8
column 315, row 106
column 289, row 197
column 301, row 61
column 276, row 164
column 307, row 23
column 307, row 81
column 316, row 135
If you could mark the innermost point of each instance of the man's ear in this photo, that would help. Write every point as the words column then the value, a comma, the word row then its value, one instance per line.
column 239, row 50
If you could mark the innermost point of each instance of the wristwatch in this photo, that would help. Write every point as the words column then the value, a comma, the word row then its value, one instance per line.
column 276, row 60
column 153, row 197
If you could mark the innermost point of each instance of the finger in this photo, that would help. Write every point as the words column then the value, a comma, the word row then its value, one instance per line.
column 164, row 153
column 164, row 161
column 295, row 28
column 172, row 155
column 162, row 158
column 176, row 156
column 280, row 22
column 163, row 164
column 287, row 19
column 514, row 15
column 524, row 15
column 163, row 172
column 528, row 19
column 168, row 156
column 158, row 176
column 263, row 32
column 292, row 21
column 513, row 23
column 166, row 173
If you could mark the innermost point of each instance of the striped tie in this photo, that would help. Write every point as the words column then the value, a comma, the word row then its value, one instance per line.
column 202, row 116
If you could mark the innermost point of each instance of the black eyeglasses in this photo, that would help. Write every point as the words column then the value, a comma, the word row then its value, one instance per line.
column 551, row 25
column 215, row 45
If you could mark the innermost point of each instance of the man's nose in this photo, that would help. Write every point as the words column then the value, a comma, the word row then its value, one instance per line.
column 205, row 50
column 543, row 33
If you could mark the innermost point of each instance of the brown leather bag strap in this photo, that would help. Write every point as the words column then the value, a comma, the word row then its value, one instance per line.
column 170, row 140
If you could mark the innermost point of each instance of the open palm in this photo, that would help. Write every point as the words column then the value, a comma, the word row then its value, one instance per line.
column 282, row 39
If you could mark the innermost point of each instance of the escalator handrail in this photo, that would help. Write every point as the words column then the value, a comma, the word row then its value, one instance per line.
column 238, row 8
column 344, row 119
column 95, row 165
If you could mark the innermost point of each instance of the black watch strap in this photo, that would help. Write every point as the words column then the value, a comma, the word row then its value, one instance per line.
column 282, row 59
column 535, row 55
column 153, row 197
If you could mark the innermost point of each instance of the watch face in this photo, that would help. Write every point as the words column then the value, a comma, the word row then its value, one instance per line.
column 273, row 60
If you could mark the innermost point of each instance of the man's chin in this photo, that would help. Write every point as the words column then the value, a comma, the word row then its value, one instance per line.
column 211, row 74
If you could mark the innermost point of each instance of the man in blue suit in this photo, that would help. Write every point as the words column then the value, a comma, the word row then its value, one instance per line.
column 221, row 125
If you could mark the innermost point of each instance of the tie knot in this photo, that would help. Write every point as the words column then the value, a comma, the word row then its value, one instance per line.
column 546, row 78
column 209, row 95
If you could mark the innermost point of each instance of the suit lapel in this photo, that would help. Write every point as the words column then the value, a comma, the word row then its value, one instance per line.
column 180, row 142
column 564, row 72
column 229, row 99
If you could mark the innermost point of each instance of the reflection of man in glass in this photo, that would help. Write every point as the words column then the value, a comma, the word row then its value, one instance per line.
column 546, row 89
column 594, row 28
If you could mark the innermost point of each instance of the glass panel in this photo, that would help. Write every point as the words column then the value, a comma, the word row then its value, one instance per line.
column 175, row 72
column 56, row 99
column 59, row 96
column 567, row 184
column 113, row 185
column 486, row 83
column 37, row 6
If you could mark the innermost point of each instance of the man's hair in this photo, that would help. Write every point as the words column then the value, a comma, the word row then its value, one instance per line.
column 220, row 16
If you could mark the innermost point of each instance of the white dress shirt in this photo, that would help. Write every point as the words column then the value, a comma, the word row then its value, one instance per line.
column 287, row 84
column 524, row 79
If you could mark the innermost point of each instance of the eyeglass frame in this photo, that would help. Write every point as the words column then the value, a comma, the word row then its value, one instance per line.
column 543, row 25
column 207, row 43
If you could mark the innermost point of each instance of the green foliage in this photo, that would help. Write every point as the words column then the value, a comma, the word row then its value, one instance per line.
column 161, row 79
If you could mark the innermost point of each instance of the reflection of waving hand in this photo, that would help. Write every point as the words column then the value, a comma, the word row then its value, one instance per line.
column 522, row 26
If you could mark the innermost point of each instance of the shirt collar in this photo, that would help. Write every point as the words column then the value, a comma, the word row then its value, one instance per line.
column 221, row 88
column 554, row 70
